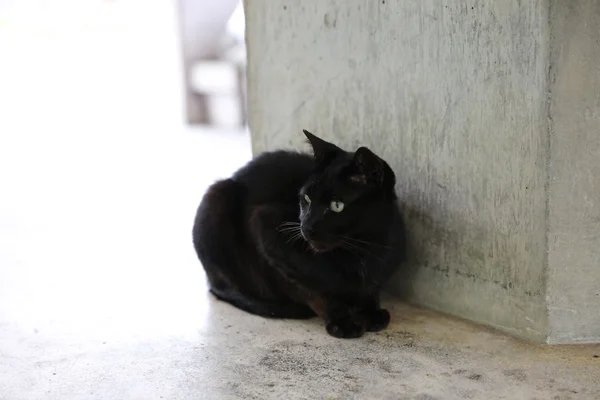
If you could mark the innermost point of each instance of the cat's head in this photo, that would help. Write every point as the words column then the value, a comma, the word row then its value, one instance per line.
column 348, row 194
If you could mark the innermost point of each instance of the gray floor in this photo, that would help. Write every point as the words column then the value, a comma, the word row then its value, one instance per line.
column 196, row 348
column 101, row 295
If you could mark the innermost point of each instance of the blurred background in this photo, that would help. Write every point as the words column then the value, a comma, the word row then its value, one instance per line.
column 115, row 115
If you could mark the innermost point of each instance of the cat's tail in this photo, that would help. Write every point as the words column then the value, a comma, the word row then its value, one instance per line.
column 222, row 243
column 263, row 308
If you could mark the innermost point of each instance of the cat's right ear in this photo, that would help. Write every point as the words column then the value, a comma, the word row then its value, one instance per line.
column 367, row 168
column 321, row 148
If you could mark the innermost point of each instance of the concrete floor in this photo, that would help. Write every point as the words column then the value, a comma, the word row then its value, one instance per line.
column 186, row 346
column 101, row 295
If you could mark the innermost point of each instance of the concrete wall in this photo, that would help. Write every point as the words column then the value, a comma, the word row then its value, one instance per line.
column 455, row 96
column 574, row 190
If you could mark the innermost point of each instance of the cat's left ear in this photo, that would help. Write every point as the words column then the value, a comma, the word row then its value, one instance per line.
column 368, row 168
column 321, row 148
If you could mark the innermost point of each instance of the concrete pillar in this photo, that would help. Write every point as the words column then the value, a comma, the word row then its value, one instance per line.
column 489, row 112
column 573, row 281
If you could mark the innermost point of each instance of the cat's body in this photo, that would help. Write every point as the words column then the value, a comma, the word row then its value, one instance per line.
column 272, row 244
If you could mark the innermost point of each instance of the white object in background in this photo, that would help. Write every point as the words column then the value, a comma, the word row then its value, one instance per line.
column 219, row 82
column 236, row 26
column 214, row 77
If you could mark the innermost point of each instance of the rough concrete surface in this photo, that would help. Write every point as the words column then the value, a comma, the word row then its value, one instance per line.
column 452, row 94
column 218, row 352
column 499, row 184
column 574, row 187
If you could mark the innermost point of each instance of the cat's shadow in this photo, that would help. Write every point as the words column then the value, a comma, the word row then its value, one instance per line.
column 443, row 242
column 421, row 230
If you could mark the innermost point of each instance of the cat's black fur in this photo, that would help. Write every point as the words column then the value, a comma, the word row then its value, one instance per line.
column 270, row 252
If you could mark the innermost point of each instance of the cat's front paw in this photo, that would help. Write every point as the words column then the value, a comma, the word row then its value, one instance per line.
column 345, row 329
column 377, row 320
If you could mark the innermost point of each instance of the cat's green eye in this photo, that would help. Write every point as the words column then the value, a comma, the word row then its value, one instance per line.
column 307, row 199
column 336, row 206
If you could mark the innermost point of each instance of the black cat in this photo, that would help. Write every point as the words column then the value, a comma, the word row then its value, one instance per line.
column 293, row 236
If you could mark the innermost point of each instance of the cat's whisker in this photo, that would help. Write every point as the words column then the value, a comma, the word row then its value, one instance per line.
column 290, row 229
column 353, row 249
column 364, row 250
column 290, row 224
column 294, row 238
column 350, row 249
column 295, row 235
column 365, row 242
column 354, row 246
column 361, row 243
